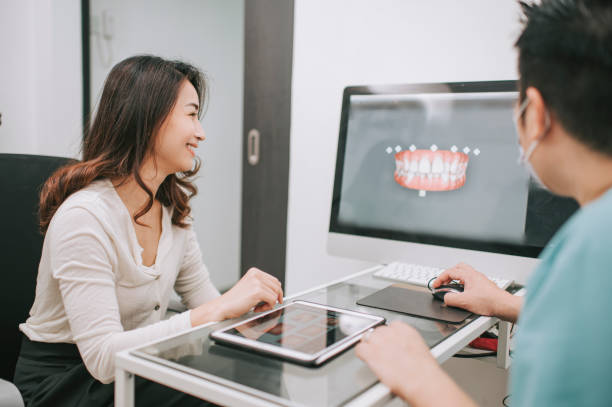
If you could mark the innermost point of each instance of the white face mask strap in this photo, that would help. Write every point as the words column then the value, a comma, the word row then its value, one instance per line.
column 519, row 113
column 537, row 141
column 530, row 149
column 521, row 110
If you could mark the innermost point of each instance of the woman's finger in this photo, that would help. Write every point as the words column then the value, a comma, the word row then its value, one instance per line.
column 271, row 278
column 274, row 285
column 266, row 295
column 271, row 281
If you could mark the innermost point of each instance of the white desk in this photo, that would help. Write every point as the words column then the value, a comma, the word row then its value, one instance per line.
column 291, row 385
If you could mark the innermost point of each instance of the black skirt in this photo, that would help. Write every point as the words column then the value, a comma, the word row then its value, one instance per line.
column 53, row 374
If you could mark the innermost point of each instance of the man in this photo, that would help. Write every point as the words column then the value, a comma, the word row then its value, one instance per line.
column 564, row 125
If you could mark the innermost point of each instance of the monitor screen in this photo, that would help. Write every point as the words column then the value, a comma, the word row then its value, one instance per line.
column 437, row 164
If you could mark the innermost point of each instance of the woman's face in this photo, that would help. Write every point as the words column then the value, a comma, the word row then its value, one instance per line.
column 180, row 133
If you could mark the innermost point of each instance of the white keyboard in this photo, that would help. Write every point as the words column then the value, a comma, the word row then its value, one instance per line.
column 420, row 275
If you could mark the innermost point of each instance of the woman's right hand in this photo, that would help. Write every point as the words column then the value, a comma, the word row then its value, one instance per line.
column 255, row 289
column 480, row 295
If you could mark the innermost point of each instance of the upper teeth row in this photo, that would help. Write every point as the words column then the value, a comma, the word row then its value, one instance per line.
column 433, row 148
column 423, row 166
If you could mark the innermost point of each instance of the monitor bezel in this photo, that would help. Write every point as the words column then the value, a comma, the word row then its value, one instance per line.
column 509, row 86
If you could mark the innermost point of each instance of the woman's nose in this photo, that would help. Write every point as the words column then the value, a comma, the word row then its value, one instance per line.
column 200, row 134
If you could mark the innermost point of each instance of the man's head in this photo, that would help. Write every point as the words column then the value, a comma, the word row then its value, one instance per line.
column 565, row 52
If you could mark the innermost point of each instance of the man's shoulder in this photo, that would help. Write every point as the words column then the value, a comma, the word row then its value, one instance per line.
column 590, row 227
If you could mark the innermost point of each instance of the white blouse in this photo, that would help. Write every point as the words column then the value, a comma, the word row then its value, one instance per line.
column 93, row 290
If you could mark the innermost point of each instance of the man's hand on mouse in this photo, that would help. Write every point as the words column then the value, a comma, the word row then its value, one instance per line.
column 479, row 295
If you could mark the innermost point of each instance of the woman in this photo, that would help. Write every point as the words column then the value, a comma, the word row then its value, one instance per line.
column 118, row 240
column 562, row 355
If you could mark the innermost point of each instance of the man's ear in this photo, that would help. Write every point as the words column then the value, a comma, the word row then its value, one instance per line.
column 537, row 117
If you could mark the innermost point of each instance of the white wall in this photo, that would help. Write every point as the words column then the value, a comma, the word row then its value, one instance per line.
column 40, row 77
column 209, row 34
column 354, row 42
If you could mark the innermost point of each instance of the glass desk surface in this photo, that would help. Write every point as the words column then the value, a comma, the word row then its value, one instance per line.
column 336, row 382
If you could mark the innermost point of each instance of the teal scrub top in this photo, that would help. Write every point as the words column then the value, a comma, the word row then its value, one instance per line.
column 563, row 346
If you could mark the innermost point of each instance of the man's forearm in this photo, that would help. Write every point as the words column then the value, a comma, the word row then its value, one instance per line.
column 439, row 390
column 508, row 307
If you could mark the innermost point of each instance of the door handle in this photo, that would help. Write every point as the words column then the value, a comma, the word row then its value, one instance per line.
column 253, row 147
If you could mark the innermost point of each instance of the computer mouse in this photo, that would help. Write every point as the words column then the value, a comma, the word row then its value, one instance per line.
column 441, row 291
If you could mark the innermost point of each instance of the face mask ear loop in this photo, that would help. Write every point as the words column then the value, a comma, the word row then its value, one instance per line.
column 537, row 141
column 520, row 111
column 525, row 157
column 530, row 150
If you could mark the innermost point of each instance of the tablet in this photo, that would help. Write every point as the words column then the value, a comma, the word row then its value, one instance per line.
column 302, row 332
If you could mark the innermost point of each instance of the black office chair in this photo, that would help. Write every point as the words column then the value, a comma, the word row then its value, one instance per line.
column 21, row 178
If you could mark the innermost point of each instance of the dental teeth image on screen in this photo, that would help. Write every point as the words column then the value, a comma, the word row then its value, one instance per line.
column 431, row 170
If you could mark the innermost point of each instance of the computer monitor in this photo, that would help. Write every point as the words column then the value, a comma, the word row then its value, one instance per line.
column 428, row 174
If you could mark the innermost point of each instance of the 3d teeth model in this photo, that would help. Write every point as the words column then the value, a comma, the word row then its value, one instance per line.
column 431, row 170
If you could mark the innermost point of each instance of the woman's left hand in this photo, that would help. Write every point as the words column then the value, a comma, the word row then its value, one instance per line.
column 256, row 290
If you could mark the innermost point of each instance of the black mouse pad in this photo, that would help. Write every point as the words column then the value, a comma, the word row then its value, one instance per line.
column 415, row 303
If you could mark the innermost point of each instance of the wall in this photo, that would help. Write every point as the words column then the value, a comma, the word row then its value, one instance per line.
column 210, row 35
column 40, row 77
column 41, row 91
column 355, row 42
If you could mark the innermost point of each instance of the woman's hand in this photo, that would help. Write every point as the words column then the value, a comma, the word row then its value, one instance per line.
column 480, row 295
column 400, row 358
column 256, row 289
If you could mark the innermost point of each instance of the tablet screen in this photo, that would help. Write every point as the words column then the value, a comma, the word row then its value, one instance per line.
column 301, row 328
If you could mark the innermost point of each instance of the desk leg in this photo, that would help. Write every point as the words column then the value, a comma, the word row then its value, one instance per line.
column 124, row 388
column 503, row 345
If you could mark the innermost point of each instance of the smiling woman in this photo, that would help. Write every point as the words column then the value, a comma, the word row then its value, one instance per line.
column 138, row 102
column 119, row 240
column 180, row 133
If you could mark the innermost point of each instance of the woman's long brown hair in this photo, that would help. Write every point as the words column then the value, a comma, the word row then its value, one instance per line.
column 138, row 95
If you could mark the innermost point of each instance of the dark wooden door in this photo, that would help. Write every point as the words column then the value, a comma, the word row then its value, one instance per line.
column 267, row 110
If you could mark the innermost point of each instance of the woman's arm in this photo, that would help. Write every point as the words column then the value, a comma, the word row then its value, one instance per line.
column 193, row 283
column 255, row 289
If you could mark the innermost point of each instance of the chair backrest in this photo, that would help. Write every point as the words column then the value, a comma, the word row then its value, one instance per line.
column 21, row 178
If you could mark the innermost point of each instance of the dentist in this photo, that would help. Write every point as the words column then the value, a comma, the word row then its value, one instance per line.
column 563, row 355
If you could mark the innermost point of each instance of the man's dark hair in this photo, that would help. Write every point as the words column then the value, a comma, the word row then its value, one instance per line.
column 565, row 51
